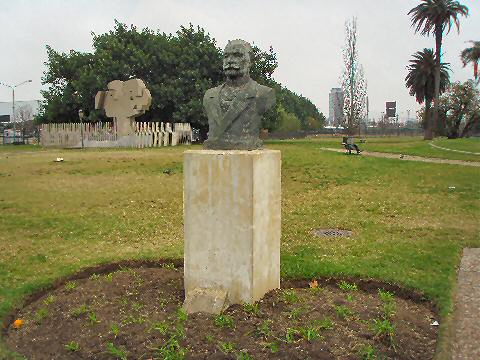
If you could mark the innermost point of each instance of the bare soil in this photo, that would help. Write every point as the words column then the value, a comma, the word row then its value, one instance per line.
column 123, row 312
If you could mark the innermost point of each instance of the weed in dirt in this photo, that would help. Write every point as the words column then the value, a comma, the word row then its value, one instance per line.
column 342, row 311
column 168, row 266
column 161, row 326
column 92, row 318
column 385, row 296
column 49, row 299
column 295, row 313
column 252, row 308
column 367, row 352
column 116, row 352
column 70, row 285
column 309, row 333
column 162, row 303
column 323, row 324
column 291, row 335
column 272, row 346
column 243, row 355
column 182, row 315
column 79, row 310
column 384, row 329
column 264, row 329
column 389, row 310
column 109, row 277
column 40, row 315
column 115, row 330
column 349, row 297
column 72, row 346
column 136, row 306
column 226, row 347
column 172, row 350
column 209, row 338
column 290, row 296
column 222, row 320
column 347, row 287
column 94, row 277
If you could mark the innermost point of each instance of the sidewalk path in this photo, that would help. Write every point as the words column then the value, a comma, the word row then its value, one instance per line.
column 411, row 157
column 466, row 344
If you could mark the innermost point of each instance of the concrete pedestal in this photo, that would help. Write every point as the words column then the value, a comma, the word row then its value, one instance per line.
column 232, row 227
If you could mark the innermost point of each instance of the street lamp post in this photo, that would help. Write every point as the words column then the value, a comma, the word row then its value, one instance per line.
column 13, row 106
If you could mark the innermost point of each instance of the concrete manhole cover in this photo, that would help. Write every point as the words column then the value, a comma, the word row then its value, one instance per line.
column 331, row 232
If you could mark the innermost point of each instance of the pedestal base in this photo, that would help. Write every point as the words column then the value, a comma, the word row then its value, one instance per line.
column 232, row 227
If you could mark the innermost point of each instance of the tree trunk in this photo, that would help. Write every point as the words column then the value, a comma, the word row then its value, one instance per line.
column 438, row 51
column 428, row 133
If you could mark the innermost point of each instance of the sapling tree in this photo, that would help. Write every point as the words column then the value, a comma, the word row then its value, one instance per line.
column 354, row 84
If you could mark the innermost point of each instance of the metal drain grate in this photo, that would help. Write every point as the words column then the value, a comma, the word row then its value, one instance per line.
column 331, row 232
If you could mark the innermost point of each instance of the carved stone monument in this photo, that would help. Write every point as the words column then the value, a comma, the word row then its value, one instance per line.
column 124, row 101
column 232, row 196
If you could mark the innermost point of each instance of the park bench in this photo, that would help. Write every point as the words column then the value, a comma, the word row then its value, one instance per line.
column 349, row 143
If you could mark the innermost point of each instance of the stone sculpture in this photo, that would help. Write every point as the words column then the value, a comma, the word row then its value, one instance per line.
column 235, row 108
column 124, row 101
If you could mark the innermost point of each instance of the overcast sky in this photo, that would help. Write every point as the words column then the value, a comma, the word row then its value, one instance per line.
column 307, row 36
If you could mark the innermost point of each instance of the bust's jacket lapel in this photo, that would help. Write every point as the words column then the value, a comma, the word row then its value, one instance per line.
column 237, row 106
column 213, row 110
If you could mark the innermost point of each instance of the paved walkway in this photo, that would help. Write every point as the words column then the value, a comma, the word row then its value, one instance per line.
column 411, row 158
column 447, row 149
column 466, row 344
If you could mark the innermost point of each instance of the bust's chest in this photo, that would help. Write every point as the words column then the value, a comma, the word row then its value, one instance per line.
column 228, row 95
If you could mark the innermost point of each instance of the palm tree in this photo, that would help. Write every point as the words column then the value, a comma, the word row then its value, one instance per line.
column 433, row 17
column 421, row 83
column 472, row 55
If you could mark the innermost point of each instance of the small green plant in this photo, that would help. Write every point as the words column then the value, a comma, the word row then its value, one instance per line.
column 290, row 296
column 252, row 308
column 389, row 310
column 226, row 347
column 117, row 353
column 109, row 277
column 342, row 311
column 243, row 355
column 162, row 327
column 323, row 324
column 115, row 330
column 72, row 346
column 136, row 306
column 384, row 329
column 209, row 338
column 92, row 318
column 70, row 285
column 367, row 352
column 349, row 297
column 291, row 335
column 223, row 320
column 264, row 328
column 295, row 313
column 309, row 333
column 94, row 276
column 345, row 286
column 182, row 315
column 172, row 350
column 80, row 310
column 49, row 299
column 272, row 346
column 386, row 296
column 168, row 266
column 40, row 315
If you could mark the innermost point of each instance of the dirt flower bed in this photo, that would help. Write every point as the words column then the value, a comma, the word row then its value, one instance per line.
column 135, row 313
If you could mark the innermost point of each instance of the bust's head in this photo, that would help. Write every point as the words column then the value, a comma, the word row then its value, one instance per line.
column 236, row 59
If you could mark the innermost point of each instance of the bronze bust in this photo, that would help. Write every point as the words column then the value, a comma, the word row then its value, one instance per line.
column 235, row 108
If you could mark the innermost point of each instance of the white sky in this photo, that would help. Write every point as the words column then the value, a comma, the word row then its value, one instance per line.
column 307, row 36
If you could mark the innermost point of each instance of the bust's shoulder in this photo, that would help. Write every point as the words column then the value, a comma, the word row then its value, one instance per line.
column 264, row 90
column 213, row 92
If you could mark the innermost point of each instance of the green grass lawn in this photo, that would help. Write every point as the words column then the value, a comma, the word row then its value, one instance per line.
column 409, row 146
column 104, row 205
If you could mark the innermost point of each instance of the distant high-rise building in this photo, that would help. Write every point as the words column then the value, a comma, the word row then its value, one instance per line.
column 335, row 111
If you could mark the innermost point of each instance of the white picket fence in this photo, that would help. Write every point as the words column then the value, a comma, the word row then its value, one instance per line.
column 147, row 134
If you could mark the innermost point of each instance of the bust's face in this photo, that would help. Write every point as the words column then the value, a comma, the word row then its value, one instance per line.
column 236, row 61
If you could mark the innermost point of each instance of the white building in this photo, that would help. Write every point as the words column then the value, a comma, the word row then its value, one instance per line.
column 335, row 111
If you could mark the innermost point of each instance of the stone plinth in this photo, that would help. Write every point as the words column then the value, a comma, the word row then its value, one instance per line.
column 232, row 227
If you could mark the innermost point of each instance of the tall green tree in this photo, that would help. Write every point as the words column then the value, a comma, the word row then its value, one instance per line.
column 433, row 17
column 472, row 55
column 420, row 81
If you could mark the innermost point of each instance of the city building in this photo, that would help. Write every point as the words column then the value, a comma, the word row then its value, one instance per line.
column 335, row 111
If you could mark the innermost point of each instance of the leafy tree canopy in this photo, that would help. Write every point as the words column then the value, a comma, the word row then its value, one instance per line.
column 177, row 69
